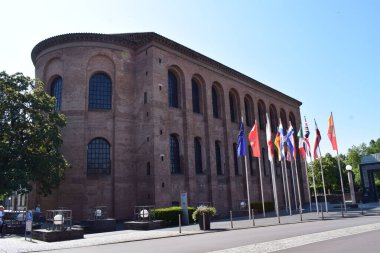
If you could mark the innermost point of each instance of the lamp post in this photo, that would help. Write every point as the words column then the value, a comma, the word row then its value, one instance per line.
column 351, row 183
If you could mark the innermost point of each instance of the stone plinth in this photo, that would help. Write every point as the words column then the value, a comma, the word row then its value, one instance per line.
column 98, row 226
column 145, row 225
column 55, row 236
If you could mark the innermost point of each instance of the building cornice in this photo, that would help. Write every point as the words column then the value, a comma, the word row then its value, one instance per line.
column 138, row 40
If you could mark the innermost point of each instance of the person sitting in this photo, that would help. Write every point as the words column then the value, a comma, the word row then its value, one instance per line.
column 1, row 220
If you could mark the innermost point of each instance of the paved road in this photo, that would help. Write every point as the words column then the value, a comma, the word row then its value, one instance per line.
column 324, row 236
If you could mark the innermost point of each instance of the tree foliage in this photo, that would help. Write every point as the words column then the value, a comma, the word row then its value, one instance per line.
column 29, row 136
column 330, row 173
column 355, row 154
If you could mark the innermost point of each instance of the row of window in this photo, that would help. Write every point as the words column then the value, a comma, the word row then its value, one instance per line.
column 100, row 92
column 99, row 158
column 100, row 97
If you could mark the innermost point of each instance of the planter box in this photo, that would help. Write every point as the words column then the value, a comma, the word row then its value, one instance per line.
column 55, row 236
column 145, row 225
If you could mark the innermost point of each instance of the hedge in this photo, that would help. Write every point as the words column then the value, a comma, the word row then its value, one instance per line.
column 170, row 214
column 258, row 206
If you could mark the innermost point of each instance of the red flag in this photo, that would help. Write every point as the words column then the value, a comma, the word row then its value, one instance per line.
column 317, row 140
column 253, row 138
column 331, row 133
column 269, row 140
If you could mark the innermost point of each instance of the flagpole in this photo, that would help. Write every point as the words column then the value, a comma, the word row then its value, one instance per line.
column 307, row 182
column 298, row 187
column 246, row 177
column 340, row 170
column 315, row 190
column 246, row 174
column 323, row 178
column 287, row 186
column 274, row 190
column 283, row 183
column 261, row 185
column 294, row 185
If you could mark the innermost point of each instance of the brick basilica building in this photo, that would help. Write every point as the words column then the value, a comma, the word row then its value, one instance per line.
column 148, row 118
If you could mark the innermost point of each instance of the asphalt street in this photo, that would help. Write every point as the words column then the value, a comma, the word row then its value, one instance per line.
column 338, row 235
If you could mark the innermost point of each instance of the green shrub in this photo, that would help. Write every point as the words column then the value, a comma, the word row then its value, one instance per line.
column 170, row 214
column 258, row 206
column 211, row 211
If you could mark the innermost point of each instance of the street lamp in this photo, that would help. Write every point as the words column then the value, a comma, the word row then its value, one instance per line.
column 351, row 183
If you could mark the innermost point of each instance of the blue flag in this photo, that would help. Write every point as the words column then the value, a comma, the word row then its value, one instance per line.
column 289, row 139
column 241, row 149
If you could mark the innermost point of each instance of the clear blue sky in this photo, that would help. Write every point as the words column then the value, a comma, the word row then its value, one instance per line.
column 323, row 53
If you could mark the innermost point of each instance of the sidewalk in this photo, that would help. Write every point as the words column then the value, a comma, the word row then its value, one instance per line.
column 19, row 244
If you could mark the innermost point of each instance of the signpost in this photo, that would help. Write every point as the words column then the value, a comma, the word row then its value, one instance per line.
column 29, row 224
column 185, row 212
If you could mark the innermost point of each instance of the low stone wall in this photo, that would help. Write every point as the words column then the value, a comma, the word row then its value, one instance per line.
column 55, row 236
column 98, row 226
column 145, row 225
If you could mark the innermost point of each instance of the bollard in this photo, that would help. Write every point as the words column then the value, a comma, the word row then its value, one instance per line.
column 361, row 207
column 341, row 208
column 232, row 225
column 253, row 218
column 323, row 217
column 179, row 222
column 204, row 221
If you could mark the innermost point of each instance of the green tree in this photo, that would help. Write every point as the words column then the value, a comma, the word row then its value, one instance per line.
column 29, row 136
column 354, row 156
column 330, row 173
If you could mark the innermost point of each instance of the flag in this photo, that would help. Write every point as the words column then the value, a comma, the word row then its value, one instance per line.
column 281, row 132
column 317, row 140
column 306, row 139
column 269, row 140
column 253, row 138
column 241, row 142
column 301, row 143
column 331, row 133
column 277, row 143
column 290, row 140
column 307, row 132
column 288, row 157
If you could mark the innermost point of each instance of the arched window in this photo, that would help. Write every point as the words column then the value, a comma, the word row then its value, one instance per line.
column 173, row 90
column 249, row 115
column 100, row 94
column 56, row 91
column 215, row 103
column 98, row 157
column 250, row 155
column 218, row 159
column 174, row 155
column 236, row 165
column 273, row 118
column 283, row 119
column 233, row 107
column 198, row 156
column 262, row 120
column 196, row 96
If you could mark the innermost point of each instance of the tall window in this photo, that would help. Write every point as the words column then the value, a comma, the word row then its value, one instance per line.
column 236, row 165
column 100, row 94
column 261, row 108
column 233, row 110
column 196, row 96
column 248, row 108
column 283, row 119
column 264, row 162
column 215, row 102
column 174, row 155
column 250, row 155
column 198, row 156
column 273, row 118
column 173, row 90
column 56, row 91
column 98, row 157
column 218, row 159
